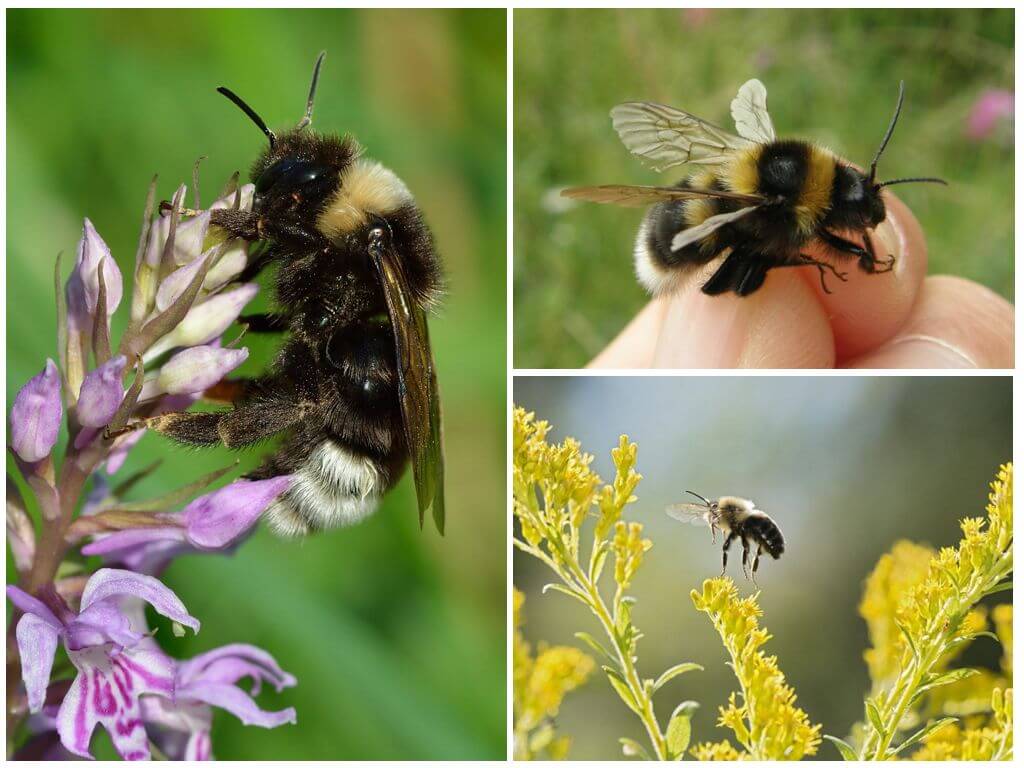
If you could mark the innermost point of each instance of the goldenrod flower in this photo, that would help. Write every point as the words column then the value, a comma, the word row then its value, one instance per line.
column 539, row 686
column 722, row 750
column 764, row 717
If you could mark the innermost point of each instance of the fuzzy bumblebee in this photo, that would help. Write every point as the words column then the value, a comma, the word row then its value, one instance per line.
column 756, row 204
column 352, row 394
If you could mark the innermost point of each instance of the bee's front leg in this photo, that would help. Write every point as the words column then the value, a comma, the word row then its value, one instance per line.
column 243, row 224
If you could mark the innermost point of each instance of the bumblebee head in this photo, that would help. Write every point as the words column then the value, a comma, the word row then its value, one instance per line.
column 873, row 209
column 300, row 168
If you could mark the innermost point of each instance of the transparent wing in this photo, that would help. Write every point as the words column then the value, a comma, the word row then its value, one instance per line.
column 694, row 514
column 750, row 111
column 638, row 195
column 417, row 383
column 663, row 136
column 706, row 227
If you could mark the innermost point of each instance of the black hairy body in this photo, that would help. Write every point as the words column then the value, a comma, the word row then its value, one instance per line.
column 349, row 244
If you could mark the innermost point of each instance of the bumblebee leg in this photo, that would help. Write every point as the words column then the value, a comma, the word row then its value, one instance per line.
column 740, row 273
column 725, row 550
column 803, row 260
column 243, row 224
column 264, row 322
column 866, row 259
column 753, row 569
column 746, row 554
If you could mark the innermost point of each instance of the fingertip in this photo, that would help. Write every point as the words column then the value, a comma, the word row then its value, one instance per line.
column 781, row 325
column 634, row 346
column 955, row 323
column 868, row 309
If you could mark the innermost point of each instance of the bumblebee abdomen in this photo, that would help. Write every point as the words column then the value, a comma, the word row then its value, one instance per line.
column 767, row 533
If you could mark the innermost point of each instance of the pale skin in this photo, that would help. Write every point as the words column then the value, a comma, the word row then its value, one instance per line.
column 901, row 319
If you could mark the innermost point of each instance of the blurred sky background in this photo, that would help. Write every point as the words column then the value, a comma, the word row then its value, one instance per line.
column 846, row 466
column 832, row 77
column 397, row 637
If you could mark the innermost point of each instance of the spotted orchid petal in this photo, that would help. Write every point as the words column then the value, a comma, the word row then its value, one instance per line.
column 116, row 583
column 217, row 519
column 143, row 550
column 180, row 729
column 106, row 692
column 101, row 393
column 36, row 415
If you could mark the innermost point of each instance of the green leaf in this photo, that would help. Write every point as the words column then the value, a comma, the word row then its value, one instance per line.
column 677, row 736
column 678, row 669
column 844, row 749
column 873, row 717
column 908, row 638
column 1002, row 587
column 945, row 679
column 590, row 640
column 632, row 748
column 565, row 591
column 622, row 689
column 921, row 734
column 597, row 561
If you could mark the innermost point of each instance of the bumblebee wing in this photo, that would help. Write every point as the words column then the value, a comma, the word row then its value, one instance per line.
column 631, row 196
column 709, row 225
column 417, row 383
column 663, row 136
column 750, row 111
column 694, row 514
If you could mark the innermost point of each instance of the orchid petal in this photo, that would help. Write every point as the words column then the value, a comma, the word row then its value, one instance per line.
column 113, row 582
column 175, row 283
column 199, row 368
column 36, row 415
column 217, row 519
column 188, row 240
column 92, row 253
column 25, row 603
column 100, row 623
column 231, row 663
column 37, row 644
column 237, row 702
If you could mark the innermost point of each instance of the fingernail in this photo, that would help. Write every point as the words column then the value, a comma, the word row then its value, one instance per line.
column 920, row 351
column 702, row 332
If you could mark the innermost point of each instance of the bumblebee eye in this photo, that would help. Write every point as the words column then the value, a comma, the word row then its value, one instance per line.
column 854, row 192
column 288, row 174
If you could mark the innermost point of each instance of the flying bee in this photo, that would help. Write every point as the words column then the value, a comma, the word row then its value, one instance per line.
column 352, row 391
column 738, row 519
column 757, row 200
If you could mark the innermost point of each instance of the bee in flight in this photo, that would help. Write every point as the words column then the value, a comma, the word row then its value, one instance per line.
column 738, row 519
column 757, row 200
column 353, row 390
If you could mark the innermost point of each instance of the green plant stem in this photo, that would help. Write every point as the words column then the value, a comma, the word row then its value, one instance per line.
column 646, row 706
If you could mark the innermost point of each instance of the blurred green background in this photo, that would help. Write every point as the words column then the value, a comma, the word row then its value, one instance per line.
column 831, row 76
column 846, row 466
column 397, row 637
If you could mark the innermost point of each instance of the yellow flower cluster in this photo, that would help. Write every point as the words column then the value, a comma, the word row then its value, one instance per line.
column 629, row 547
column 764, row 718
column 539, row 685
column 921, row 615
column 721, row 750
column 973, row 742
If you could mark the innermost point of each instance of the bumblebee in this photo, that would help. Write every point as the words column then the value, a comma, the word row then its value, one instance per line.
column 738, row 519
column 353, row 390
column 756, row 202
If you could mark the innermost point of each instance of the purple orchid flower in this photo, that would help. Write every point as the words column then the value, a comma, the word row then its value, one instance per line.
column 181, row 727
column 36, row 415
column 213, row 522
column 101, row 393
column 116, row 661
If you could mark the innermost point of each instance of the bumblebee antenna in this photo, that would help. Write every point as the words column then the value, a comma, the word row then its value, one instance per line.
column 888, row 134
column 692, row 493
column 308, row 117
column 237, row 100
column 928, row 179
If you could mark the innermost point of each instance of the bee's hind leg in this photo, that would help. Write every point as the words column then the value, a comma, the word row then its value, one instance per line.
column 753, row 569
column 746, row 555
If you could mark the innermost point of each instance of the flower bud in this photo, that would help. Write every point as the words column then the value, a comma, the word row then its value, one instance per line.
column 36, row 415
column 217, row 519
column 228, row 201
column 198, row 368
column 189, row 237
column 175, row 283
column 93, row 252
column 101, row 393
column 206, row 321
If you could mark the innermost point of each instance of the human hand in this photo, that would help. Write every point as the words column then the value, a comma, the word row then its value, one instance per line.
column 899, row 319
